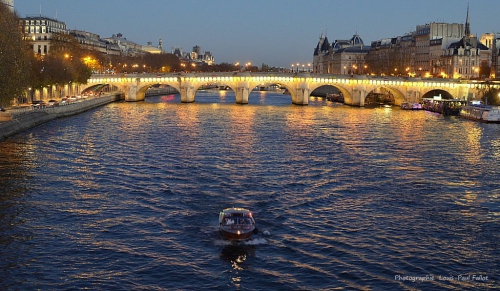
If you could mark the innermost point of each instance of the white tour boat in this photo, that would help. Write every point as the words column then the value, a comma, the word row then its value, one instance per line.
column 482, row 113
column 236, row 224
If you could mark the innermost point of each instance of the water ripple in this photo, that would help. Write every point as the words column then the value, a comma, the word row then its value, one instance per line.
column 126, row 197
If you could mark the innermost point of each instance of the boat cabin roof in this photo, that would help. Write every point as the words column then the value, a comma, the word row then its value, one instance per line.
column 236, row 212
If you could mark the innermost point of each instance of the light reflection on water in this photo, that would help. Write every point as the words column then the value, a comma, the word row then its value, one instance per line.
column 127, row 196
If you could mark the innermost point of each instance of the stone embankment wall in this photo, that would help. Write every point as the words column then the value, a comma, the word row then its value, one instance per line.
column 17, row 120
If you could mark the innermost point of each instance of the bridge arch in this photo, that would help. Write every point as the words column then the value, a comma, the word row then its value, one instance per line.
column 289, row 89
column 343, row 88
column 438, row 92
column 140, row 90
column 286, row 83
column 143, row 89
column 219, row 84
column 325, row 89
column 394, row 92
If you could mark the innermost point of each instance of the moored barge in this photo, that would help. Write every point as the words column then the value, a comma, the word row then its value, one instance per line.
column 482, row 113
column 443, row 106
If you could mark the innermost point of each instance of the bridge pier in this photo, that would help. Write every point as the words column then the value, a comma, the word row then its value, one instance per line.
column 131, row 95
column 356, row 97
column 242, row 95
column 301, row 96
column 302, row 91
column 187, row 94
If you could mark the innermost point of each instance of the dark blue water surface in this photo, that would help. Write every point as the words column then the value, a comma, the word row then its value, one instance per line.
column 127, row 196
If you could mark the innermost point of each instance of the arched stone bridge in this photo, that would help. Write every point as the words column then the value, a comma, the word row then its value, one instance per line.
column 300, row 85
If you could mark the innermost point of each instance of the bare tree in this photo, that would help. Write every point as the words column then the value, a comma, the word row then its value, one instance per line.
column 488, row 90
column 15, row 57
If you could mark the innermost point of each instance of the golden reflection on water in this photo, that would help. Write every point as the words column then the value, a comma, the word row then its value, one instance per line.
column 495, row 144
column 189, row 119
column 364, row 220
column 242, row 128
column 262, row 97
column 236, row 255
column 473, row 135
column 302, row 120
column 222, row 94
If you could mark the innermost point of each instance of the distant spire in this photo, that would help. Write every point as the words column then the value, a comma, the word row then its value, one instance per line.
column 494, row 57
column 467, row 22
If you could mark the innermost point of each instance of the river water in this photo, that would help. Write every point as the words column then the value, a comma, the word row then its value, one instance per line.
column 127, row 196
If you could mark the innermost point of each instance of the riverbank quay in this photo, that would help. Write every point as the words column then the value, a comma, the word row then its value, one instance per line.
column 15, row 120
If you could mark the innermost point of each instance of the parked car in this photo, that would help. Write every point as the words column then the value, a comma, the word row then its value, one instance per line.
column 38, row 104
column 53, row 103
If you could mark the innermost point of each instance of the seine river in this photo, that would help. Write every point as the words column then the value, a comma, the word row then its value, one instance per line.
column 127, row 197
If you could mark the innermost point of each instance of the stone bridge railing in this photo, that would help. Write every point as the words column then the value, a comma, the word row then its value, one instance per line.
column 300, row 85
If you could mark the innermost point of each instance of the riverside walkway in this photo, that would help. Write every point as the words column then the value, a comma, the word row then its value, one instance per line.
column 17, row 119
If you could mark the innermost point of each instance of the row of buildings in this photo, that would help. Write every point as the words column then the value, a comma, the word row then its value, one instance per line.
column 432, row 50
column 39, row 30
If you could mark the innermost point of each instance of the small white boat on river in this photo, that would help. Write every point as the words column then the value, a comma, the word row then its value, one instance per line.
column 236, row 224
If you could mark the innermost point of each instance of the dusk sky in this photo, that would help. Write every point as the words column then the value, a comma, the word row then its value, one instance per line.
column 274, row 32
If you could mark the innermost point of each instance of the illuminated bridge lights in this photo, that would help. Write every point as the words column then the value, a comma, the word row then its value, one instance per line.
column 296, row 83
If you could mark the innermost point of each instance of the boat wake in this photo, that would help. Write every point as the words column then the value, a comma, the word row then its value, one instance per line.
column 251, row 242
column 255, row 241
